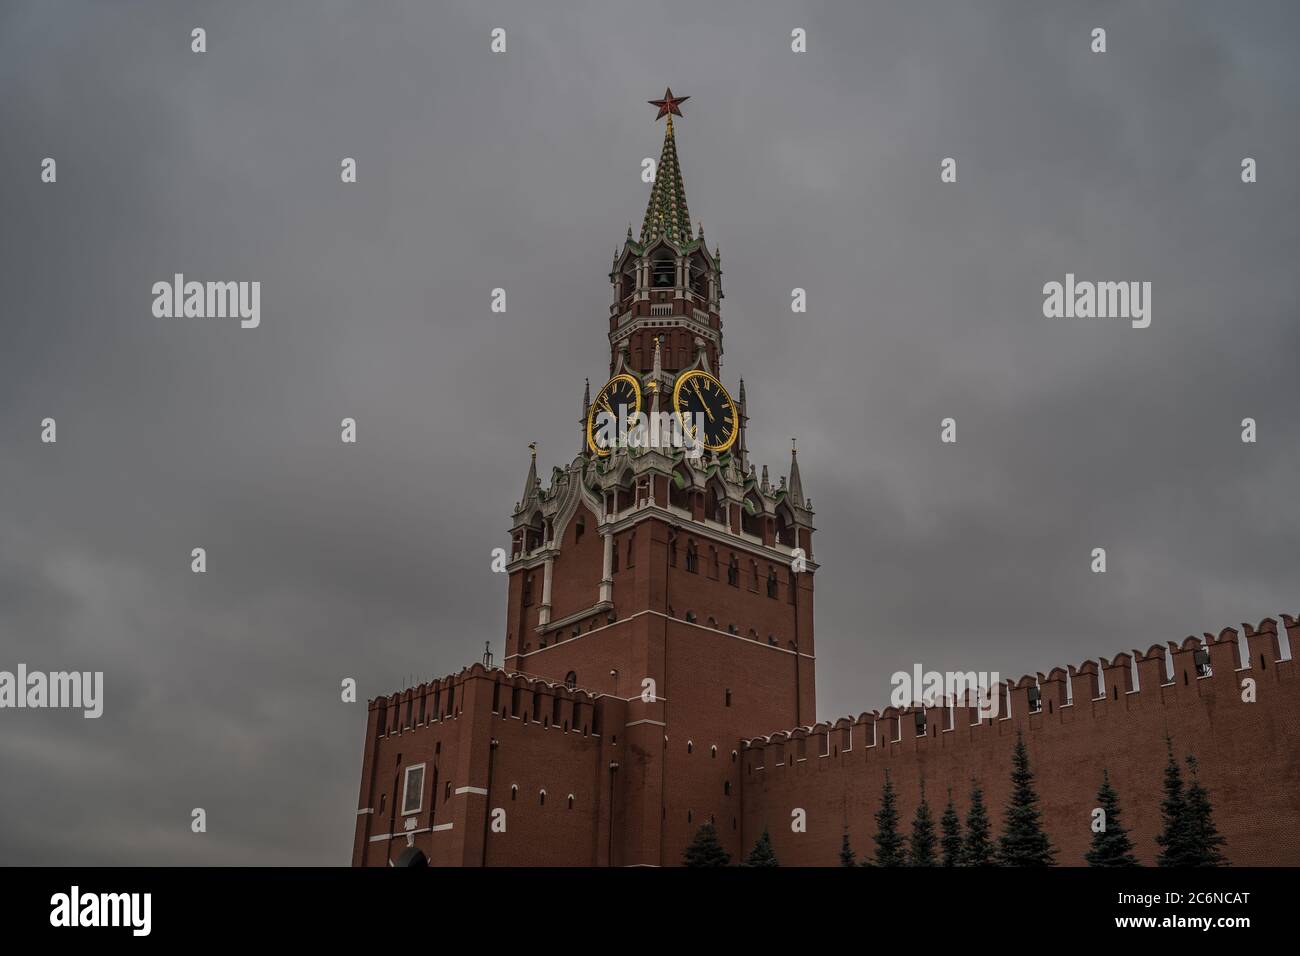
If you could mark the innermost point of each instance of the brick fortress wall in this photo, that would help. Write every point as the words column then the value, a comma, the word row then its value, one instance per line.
column 1249, row 754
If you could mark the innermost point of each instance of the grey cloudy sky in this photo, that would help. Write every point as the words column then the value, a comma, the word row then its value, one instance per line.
column 522, row 170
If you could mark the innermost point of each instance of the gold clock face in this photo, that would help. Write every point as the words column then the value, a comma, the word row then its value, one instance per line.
column 698, row 397
column 619, row 400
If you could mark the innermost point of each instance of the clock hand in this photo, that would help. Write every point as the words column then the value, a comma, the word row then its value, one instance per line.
column 695, row 386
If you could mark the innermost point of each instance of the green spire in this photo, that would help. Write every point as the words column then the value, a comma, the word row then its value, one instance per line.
column 667, row 215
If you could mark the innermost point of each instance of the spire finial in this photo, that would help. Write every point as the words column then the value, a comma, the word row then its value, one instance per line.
column 668, row 106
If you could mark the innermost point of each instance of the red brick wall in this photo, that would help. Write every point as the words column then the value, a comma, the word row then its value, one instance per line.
column 1249, row 755
column 458, row 749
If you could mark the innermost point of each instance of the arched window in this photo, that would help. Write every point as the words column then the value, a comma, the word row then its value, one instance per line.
column 733, row 572
column 715, row 505
column 699, row 275
column 514, row 791
column 692, row 558
column 690, row 746
column 541, row 798
column 677, row 494
column 570, row 801
column 571, row 680
column 663, row 268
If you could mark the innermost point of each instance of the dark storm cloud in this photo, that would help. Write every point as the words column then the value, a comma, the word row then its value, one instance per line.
column 522, row 171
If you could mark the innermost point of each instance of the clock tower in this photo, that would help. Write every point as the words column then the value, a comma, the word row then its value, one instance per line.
column 677, row 579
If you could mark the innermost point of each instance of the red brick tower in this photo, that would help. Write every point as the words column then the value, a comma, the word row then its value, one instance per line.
column 680, row 582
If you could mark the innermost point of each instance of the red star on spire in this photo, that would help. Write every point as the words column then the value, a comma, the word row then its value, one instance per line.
column 669, row 104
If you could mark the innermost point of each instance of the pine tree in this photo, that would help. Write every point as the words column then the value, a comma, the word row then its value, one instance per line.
column 1111, row 846
column 978, row 847
column 1173, row 837
column 889, row 842
column 705, row 850
column 762, row 854
column 1023, row 841
column 846, row 852
column 950, row 825
column 1203, row 839
column 921, row 845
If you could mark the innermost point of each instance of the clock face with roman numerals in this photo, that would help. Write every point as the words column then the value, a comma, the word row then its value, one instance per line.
column 698, row 397
column 620, row 399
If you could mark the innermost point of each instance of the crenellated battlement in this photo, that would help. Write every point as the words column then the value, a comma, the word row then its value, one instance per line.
column 443, row 698
column 1161, row 676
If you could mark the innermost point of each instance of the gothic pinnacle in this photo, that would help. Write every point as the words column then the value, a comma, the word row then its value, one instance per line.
column 531, row 481
column 796, row 485
column 586, row 411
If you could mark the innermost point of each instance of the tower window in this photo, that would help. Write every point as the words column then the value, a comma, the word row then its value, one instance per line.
column 578, row 529
column 528, row 590
column 728, row 696
column 413, row 789
column 733, row 572
column 692, row 558
column 771, row 582
column 571, row 680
